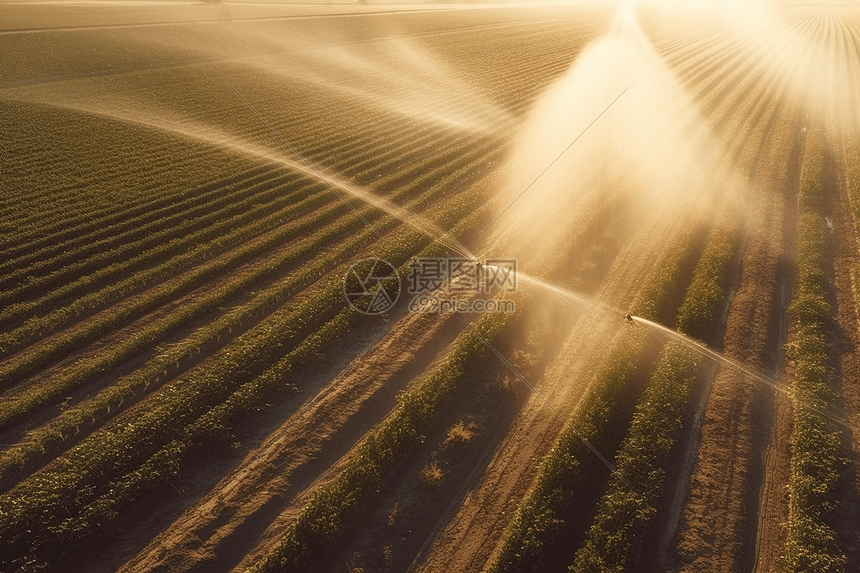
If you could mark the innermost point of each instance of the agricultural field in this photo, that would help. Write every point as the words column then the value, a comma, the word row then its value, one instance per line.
column 429, row 287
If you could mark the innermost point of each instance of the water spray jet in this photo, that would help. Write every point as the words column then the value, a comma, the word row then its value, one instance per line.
column 749, row 371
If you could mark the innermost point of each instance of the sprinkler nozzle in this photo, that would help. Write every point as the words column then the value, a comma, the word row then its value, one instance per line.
column 628, row 317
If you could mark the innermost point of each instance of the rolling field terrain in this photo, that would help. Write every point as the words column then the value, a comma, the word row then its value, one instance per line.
column 188, row 383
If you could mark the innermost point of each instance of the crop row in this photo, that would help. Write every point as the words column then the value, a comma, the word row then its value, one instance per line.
column 346, row 110
column 49, row 438
column 91, row 188
column 25, row 404
column 118, row 247
column 571, row 475
column 428, row 177
column 327, row 130
column 163, row 149
column 245, row 229
column 431, row 169
column 623, row 525
column 118, row 214
column 706, row 294
column 332, row 506
column 369, row 140
column 116, row 261
column 121, row 258
column 851, row 174
column 274, row 233
column 362, row 160
column 103, row 221
column 92, row 472
column 812, row 543
column 135, row 228
column 850, row 166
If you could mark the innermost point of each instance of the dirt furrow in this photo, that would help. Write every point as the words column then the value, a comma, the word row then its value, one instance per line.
column 242, row 514
column 718, row 528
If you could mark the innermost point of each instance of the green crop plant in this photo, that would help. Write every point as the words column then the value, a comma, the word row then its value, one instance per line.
column 812, row 543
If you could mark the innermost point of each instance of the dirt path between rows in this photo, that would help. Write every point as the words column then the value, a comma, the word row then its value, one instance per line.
column 770, row 531
column 241, row 516
column 714, row 521
column 719, row 524
column 773, row 507
column 466, row 543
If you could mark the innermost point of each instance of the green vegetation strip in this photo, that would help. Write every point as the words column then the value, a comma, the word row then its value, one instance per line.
column 706, row 294
column 77, row 218
column 167, row 260
column 623, row 525
column 332, row 505
column 570, row 476
column 12, row 371
column 855, row 286
column 159, row 205
column 47, row 439
column 851, row 170
column 627, row 509
column 812, row 543
column 134, row 234
column 85, row 488
column 24, row 363
column 652, row 299
column 20, row 407
column 431, row 172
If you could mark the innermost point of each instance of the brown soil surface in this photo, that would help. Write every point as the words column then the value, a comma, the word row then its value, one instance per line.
column 395, row 531
column 243, row 514
column 718, row 528
column 773, row 507
column 467, row 541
